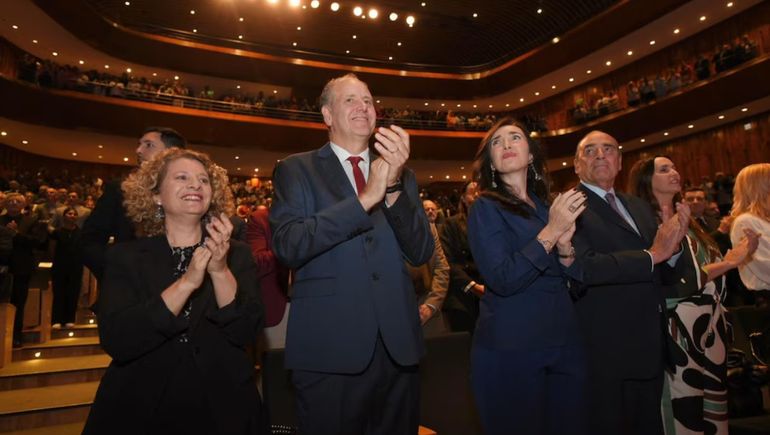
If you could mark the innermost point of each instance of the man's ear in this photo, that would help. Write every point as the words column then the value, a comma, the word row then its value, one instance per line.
column 327, row 113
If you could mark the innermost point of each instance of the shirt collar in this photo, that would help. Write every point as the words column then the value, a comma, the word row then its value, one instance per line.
column 343, row 154
column 598, row 190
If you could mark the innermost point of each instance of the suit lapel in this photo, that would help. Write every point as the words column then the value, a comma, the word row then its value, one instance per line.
column 599, row 206
column 331, row 171
column 646, row 226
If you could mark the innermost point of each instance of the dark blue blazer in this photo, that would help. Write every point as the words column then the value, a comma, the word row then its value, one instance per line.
column 527, row 303
column 350, row 281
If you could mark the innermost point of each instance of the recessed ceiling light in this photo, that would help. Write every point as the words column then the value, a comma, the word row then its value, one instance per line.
column 347, row 51
column 299, row 27
column 195, row 30
column 155, row 74
column 564, row 163
column 106, row 67
column 25, row 141
column 630, row 52
column 410, row 20
column 15, row 27
column 608, row 63
column 553, row 86
column 256, row 169
column 730, row 4
column 176, row 77
column 81, row 62
column 357, row 11
column 442, row 104
column 588, row 71
column 34, row 41
column 74, row 154
column 363, row 16
column 555, row 40
column 399, row 44
column 240, row 36
column 620, row 147
column 275, row 91
column 294, row 3
column 99, row 157
column 237, row 169
column 539, row 11
column 521, row 100
column 393, row 16
column 334, row 6
column 702, row 18
column 127, row 3
column 652, row 42
column 378, row 101
column 721, row 116
column 100, row 146
column 676, row 31
column 128, row 70
column 431, row 177
column 240, row 19
column 665, row 133
column 475, row 15
column 237, row 157
column 690, row 126
column 354, row 36
column 423, row 4
column 537, row 93
column 490, row 106
column 314, row 4
column 745, row 109
column 446, row 176
column 55, row 53
column 125, row 159
column 3, row 133
column 571, row 79
column 474, row 106
column 237, row 87
column 390, row 57
column 373, row 13
column 426, row 103
column 294, row 44
column 192, row 11
column 643, row 140
column 507, row 105
column 465, row 177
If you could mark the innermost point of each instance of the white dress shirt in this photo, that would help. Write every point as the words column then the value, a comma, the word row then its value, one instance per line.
column 755, row 274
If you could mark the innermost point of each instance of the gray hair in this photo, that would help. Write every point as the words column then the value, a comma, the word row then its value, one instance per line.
column 327, row 95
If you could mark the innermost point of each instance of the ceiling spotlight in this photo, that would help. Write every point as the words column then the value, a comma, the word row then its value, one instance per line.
column 81, row 62
column 256, row 169
column 378, row 101
column 240, row 36
column 572, row 79
column 652, row 42
column 3, row 133
column 237, row 157
column 390, row 57
column 630, row 53
column 690, row 126
column 442, row 104
column 357, row 11
column 294, row 3
column 423, row 4
column 127, row 3
column 539, row 11
column 745, row 109
column 74, row 154
column 314, row 4
column 55, row 53
column 555, row 40
column 34, row 41
column 25, row 141
column 106, row 67
column 192, row 11
column 588, row 71
column 354, row 36
column 125, row 159
column 475, row 15
column 155, row 74
column 373, row 13
column 490, row 106
column 299, row 27
column 275, row 91
column 553, row 86
column 426, row 103
column 393, row 16
column 474, row 106
column 128, row 70
column 237, row 87
column 399, row 44
column 100, row 146
column 176, row 77
column 521, row 100
column 447, row 177
column 294, row 44
column 537, row 93
column 721, row 116
column 730, row 4
column 676, row 31
column 272, row 1
column 195, row 30
column 620, row 147
column 665, row 133
column 564, row 163
column 410, row 20
column 334, row 6
column 643, row 140
column 347, row 51
column 608, row 63
column 703, row 18
column 100, row 157
column 240, row 19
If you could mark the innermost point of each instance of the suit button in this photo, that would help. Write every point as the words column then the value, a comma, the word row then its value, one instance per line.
column 375, row 277
column 683, row 281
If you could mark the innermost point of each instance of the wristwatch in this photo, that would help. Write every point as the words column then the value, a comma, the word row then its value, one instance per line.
column 398, row 187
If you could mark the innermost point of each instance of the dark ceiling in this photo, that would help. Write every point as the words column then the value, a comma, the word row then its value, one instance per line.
column 444, row 36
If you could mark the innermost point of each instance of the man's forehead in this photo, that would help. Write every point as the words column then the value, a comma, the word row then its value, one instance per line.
column 351, row 86
column 598, row 138
column 152, row 136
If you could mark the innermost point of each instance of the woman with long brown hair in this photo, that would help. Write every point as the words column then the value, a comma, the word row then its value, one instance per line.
column 695, row 394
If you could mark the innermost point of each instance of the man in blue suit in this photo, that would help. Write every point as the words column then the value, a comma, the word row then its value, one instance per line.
column 345, row 219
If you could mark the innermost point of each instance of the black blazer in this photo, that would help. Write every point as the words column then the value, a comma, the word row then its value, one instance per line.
column 30, row 236
column 620, row 303
column 141, row 335
column 107, row 219
column 462, row 268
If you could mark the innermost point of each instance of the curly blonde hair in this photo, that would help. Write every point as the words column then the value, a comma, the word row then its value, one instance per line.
column 751, row 193
column 140, row 187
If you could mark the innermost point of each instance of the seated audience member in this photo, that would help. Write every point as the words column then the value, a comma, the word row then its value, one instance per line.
column 528, row 362
column 461, row 306
column 177, row 308
column 431, row 280
column 751, row 210
column 27, row 234
column 696, row 199
column 67, row 271
column 695, row 390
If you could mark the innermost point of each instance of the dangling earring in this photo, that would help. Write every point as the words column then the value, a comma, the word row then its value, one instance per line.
column 538, row 177
column 159, row 213
column 494, row 183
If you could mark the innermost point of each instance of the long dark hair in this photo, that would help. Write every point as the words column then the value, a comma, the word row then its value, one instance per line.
column 640, row 185
column 493, row 187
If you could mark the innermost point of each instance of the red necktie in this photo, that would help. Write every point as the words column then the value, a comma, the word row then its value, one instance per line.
column 358, row 175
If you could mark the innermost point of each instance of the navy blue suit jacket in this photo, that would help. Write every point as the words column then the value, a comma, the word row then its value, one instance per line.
column 350, row 281
column 527, row 303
